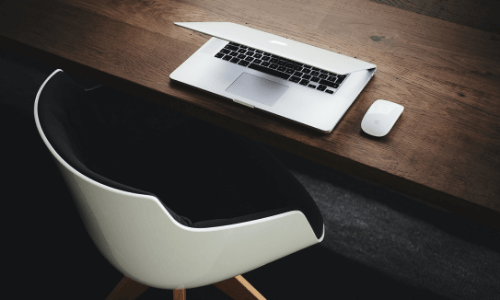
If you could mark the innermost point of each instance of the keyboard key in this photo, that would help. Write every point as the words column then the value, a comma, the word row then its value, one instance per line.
column 242, row 56
column 266, row 58
column 265, row 64
column 324, row 72
column 329, row 91
column 329, row 83
column 233, row 44
column 322, row 76
column 219, row 55
column 340, row 78
column 267, row 54
column 315, row 79
column 248, row 58
column 269, row 71
column 281, row 69
column 289, row 71
column 242, row 51
column 294, row 79
column 306, row 77
column 234, row 53
column 332, row 74
column 315, row 73
column 274, row 60
column 243, row 47
column 321, row 87
column 315, row 69
column 306, row 71
column 298, row 74
column 298, row 68
column 251, row 49
column 273, row 66
column 332, row 78
column 225, row 51
column 304, row 82
column 243, row 63
column 307, row 67
column 227, row 57
column 258, row 51
column 312, row 86
column 250, row 53
column 257, row 55
column 235, row 60
column 257, row 61
column 232, row 48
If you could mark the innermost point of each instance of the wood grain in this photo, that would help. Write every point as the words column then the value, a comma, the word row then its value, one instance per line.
column 480, row 14
column 444, row 149
column 179, row 294
column 239, row 289
column 127, row 289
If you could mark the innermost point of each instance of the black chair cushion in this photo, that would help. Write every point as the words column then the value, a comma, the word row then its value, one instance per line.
column 205, row 176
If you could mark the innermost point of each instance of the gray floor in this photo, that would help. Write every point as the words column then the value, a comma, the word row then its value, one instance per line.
column 377, row 243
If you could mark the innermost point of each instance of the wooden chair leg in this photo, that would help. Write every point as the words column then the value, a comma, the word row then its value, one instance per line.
column 180, row 294
column 239, row 289
column 127, row 289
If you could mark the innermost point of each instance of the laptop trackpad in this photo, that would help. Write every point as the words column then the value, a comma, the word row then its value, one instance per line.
column 257, row 89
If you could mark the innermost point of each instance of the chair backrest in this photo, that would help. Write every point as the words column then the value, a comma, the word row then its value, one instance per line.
column 140, row 237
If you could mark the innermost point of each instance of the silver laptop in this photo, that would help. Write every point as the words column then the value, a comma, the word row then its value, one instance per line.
column 293, row 80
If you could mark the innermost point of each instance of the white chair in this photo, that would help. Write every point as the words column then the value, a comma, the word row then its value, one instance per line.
column 148, row 242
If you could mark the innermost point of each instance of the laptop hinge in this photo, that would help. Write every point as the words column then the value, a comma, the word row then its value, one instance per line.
column 243, row 103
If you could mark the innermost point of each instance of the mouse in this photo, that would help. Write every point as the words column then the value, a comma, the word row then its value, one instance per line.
column 380, row 117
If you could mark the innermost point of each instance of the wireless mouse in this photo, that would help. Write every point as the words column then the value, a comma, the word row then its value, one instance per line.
column 380, row 117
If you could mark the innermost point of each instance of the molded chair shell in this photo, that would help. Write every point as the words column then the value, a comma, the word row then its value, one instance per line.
column 139, row 237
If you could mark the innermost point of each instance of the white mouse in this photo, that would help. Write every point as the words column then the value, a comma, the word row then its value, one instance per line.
column 380, row 117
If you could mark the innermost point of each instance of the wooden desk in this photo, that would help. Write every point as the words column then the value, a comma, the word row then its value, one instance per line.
column 444, row 150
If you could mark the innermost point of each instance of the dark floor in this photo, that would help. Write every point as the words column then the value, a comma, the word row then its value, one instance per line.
column 378, row 243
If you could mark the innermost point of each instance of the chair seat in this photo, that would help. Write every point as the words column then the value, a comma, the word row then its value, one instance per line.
column 204, row 175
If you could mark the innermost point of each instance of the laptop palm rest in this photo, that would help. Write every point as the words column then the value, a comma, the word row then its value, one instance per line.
column 257, row 89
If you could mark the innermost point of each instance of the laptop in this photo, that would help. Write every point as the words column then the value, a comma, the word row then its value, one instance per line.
column 263, row 71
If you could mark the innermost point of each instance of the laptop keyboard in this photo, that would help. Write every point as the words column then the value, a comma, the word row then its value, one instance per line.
column 278, row 66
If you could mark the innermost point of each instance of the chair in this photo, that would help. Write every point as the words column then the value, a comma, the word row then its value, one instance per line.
column 169, row 231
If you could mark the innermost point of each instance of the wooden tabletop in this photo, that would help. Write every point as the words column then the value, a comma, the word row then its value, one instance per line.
column 444, row 150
